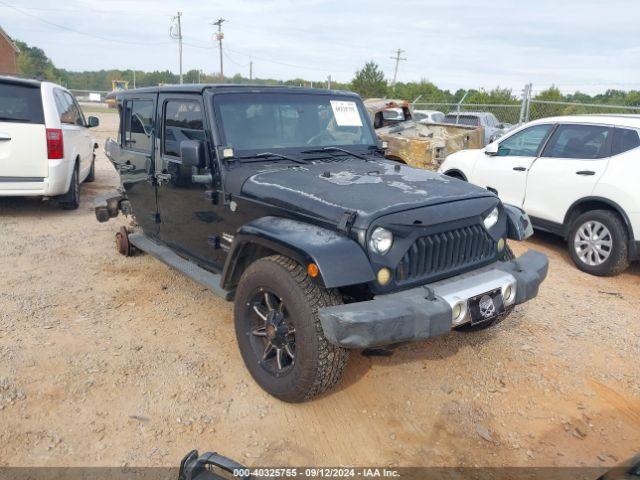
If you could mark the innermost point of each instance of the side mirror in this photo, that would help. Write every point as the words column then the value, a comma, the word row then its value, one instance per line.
column 192, row 153
column 491, row 149
column 93, row 122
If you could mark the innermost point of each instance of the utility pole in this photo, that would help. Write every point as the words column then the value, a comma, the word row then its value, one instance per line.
column 176, row 32
column 397, row 58
column 329, row 82
column 219, row 37
column 250, row 69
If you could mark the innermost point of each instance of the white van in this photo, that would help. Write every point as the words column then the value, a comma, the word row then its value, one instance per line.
column 45, row 146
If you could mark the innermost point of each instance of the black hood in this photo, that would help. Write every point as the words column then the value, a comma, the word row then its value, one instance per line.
column 370, row 188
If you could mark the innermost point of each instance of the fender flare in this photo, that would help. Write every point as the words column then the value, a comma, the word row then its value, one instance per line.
column 340, row 259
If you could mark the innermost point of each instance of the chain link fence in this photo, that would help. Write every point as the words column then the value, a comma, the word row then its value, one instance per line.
column 529, row 109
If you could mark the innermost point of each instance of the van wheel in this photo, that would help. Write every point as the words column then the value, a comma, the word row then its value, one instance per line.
column 92, row 171
column 598, row 243
column 71, row 199
column 279, row 331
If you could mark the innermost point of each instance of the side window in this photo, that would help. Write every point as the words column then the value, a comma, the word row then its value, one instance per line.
column 75, row 109
column 578, row 141
column 624, row 139
column 138, row 125
column 525, row 143
column 183, row 120
column 438, row 117
column 64, row 108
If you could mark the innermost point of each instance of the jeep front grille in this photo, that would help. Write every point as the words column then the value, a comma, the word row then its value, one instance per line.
column 447, row 252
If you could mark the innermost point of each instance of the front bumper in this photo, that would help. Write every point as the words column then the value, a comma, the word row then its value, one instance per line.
column 427, row 311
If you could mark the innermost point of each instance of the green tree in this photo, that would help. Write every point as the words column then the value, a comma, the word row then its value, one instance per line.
column 369, row 82
column 33, row 62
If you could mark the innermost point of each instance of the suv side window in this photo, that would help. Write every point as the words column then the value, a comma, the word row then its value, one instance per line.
column 183, row 120
column 579, row 141
column 624, row 139
column 525, row 143
column 138, row 125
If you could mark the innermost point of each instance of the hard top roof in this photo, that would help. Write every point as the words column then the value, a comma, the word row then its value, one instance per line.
column 201, row 87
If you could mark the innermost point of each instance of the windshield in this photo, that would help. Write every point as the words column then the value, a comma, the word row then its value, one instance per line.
column 271, row 121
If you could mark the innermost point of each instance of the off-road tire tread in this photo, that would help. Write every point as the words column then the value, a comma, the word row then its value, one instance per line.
column 332, row 360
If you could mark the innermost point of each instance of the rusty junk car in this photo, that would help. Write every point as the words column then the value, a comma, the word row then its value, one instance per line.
column 418, row 144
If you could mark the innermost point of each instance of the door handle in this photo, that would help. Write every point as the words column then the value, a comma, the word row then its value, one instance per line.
column 4, row 137
column 520, row 169
column 586, row 173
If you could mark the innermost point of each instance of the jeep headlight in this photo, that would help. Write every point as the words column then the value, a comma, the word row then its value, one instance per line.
column 381, row 240
column 491, row 219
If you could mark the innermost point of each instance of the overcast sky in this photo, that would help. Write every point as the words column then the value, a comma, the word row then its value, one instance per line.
column 590, row 45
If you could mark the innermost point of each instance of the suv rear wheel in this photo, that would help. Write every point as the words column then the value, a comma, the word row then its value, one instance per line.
column 598, row 243
column 279, row 332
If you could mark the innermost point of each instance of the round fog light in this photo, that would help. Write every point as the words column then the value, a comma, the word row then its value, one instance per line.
column 501, row 244
column 384, row 275
column 507, row 293
column 458, row 312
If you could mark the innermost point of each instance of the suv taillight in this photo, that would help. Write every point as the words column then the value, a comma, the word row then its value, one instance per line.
column 55, row 144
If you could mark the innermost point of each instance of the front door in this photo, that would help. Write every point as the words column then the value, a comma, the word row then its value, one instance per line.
column 569, row 168
column 506, row 172
column 135, row 164
column 189, row 217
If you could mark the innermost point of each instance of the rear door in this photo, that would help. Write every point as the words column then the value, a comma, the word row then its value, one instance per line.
column 506, row 173
column 23, row 143
column 135, row 158
column 568, row 169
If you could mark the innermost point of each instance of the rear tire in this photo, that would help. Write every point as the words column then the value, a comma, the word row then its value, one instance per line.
column 598, row 243
column 92, row 172
column 71, row 199
column 279, row 332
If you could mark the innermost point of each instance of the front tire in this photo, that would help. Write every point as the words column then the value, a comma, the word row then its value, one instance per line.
column 598, row 243
column 279, row 332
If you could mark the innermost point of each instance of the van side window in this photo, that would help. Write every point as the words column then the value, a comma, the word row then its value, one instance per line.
column 624, row 139
column 67, row 109
column 138, row 125
column 183, row 120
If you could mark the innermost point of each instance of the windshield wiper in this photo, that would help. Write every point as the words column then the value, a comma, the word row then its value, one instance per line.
column 335, row 149
column 266, row 155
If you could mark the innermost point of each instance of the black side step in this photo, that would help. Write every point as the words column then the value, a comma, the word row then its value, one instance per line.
column 190, row 269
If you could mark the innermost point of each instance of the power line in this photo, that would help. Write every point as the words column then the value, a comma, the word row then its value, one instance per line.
column 69, row 29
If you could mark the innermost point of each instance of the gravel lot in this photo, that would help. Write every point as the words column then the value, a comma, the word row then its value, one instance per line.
column 107, row 360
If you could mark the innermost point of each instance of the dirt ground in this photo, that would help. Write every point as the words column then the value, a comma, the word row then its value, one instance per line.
column 107, row 360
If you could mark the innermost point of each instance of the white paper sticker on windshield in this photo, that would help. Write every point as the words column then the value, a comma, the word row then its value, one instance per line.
column 346, row 113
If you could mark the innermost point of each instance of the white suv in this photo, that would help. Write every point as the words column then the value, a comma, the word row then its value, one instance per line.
column 45, row 146
column 576, row 176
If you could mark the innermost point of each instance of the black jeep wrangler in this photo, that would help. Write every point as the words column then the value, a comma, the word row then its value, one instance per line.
column 281, row 200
